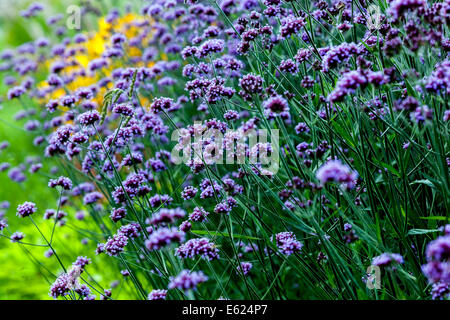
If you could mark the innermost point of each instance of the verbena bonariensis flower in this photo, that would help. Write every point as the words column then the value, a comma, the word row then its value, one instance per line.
column 163, row 237
column 89, row 118
column 3, row 224
column 346, row 85
column 245, row 268
column 198, row 214
column 166, row 216
column 387, row 259
column 338, row 55
column 116, row 244
column 198, row 247
column 287, row 243
column 118, row 214
column 185, row 226
column 438, row 257
column 92, row 197
column 62, row 286
column 63, row 182
column 17, row 236
column 157, row 294
column 189, row 192
column 291, row 25
column 26, row 209
column 209, row 47
column 440, row 291
column 82, row 262
column 187, row 280
column 397, row 8
column 336, row 171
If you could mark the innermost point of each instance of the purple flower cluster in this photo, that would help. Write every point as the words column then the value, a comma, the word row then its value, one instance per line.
column 437, row 269
column 163, row 237
column 198, row 247
column 287, row 243
column 387, row 259
column 26, row 209
column 166, row 216
column 63, row 182
column 245, row 268
column 157, row 294
column 336, row 171
column 187, row 280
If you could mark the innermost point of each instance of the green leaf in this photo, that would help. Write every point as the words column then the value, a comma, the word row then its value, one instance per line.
column 434, row 218
column 425, row 182
column 414, row 232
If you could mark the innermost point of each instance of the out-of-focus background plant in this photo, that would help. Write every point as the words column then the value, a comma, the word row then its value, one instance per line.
column 20, row 279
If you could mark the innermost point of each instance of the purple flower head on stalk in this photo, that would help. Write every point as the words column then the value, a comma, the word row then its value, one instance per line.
column 251, row 83
column 222, row 208
column 62, row 182
column 62, row 286
column 88, row 118
column 4, row 166
column 97, row 64
column 26, row 209
column 92, row 197
column 231, row 115
column 6, row 205
column 346, row 85
column 445, row 229
column 35, row 167
column 301, row 128
column 124, row 109
column 16, row 92
column 439, row 249
column 16, row 175
column 339, row 54
column 387, row 259
column 439, row 80
column 130, row 230
column 3, row 224
column 17, row 236
column 157, row 294
column 118, row 214
column 189, row 192
column 49, row 253
column 288, row 66
column 115, row 245
column 185, row 226
column 160, row 104
column 198, row 247
column 198, row 214
column 397, row 8
column 276, row 105
column 159, row 200
column 291, row 25
column 187, row 280
column 287, row 243
column 82, row 262
column 209, row 47
column 336, row 171
column 440, row 291
column 163, row 237
column 166, row 216
column 245, row 268
column 68, row 101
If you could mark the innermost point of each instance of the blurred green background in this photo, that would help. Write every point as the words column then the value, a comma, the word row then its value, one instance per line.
column 25, row 272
